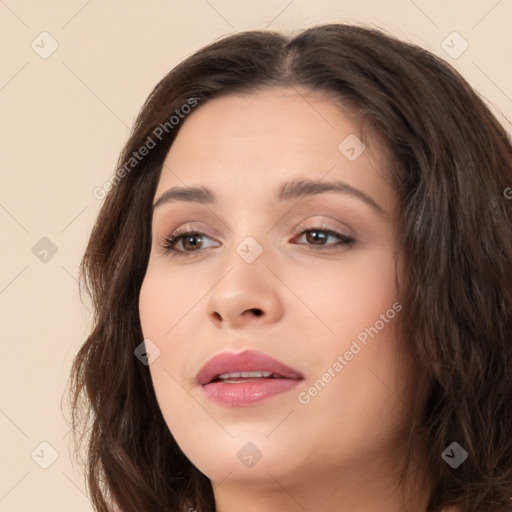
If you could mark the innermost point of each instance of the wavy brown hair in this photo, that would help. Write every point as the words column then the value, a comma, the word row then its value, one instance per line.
column 450, row 163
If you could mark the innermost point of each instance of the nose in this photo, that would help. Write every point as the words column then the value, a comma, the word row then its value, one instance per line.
column 246, row 293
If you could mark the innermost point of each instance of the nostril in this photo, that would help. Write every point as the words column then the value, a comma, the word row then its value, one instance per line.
column 256, row 311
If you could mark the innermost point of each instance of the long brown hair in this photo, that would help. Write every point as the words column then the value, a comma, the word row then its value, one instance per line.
column 450, row 163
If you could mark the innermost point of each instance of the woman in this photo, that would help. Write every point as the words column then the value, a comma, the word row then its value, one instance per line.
column 301, row 279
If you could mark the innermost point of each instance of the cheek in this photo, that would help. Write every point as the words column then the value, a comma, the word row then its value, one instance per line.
column 160, row 312
column 356, row 311
column 164, row 301
column 349, row 297
column 163, row 318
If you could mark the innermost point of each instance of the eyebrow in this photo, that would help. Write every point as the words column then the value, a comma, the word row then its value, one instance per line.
column 296, row 189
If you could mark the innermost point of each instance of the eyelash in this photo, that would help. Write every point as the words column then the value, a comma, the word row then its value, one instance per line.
column 179, row 234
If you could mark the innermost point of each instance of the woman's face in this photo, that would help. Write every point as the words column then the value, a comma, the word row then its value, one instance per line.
column 256, row 279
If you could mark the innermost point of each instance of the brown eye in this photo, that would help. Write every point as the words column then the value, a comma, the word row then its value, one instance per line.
column 190, row 241
column 318, row 237
column 313, row 236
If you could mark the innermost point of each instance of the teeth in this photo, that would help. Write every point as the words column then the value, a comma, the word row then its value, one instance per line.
column 253, row 375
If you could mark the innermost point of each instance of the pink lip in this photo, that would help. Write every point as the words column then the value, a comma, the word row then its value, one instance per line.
column 249, row 392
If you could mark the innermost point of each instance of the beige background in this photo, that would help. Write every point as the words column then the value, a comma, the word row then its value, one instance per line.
column 64, row 119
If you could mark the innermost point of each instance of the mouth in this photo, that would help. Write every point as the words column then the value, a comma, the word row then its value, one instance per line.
column 245, row 378
column 238, row 377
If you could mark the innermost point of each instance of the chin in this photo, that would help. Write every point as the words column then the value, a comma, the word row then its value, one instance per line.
column 243, row 458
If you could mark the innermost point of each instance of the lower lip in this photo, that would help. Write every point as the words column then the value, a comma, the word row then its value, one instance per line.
column 243, row 394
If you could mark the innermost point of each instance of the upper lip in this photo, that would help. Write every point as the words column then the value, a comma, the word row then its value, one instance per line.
column 246, row 361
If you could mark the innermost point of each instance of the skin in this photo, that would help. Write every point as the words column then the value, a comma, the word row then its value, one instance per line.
column 341, row 450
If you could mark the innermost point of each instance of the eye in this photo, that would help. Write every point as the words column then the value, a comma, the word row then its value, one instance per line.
column 187, row 239
column 192, row 241
column 317, row 236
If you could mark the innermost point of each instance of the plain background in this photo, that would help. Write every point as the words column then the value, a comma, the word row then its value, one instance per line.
column 64, row 119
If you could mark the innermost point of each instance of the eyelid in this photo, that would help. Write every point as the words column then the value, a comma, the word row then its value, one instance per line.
column 177, row 236
column 326, row 222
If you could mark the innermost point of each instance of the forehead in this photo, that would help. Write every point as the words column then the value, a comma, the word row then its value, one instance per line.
column 248, row 144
